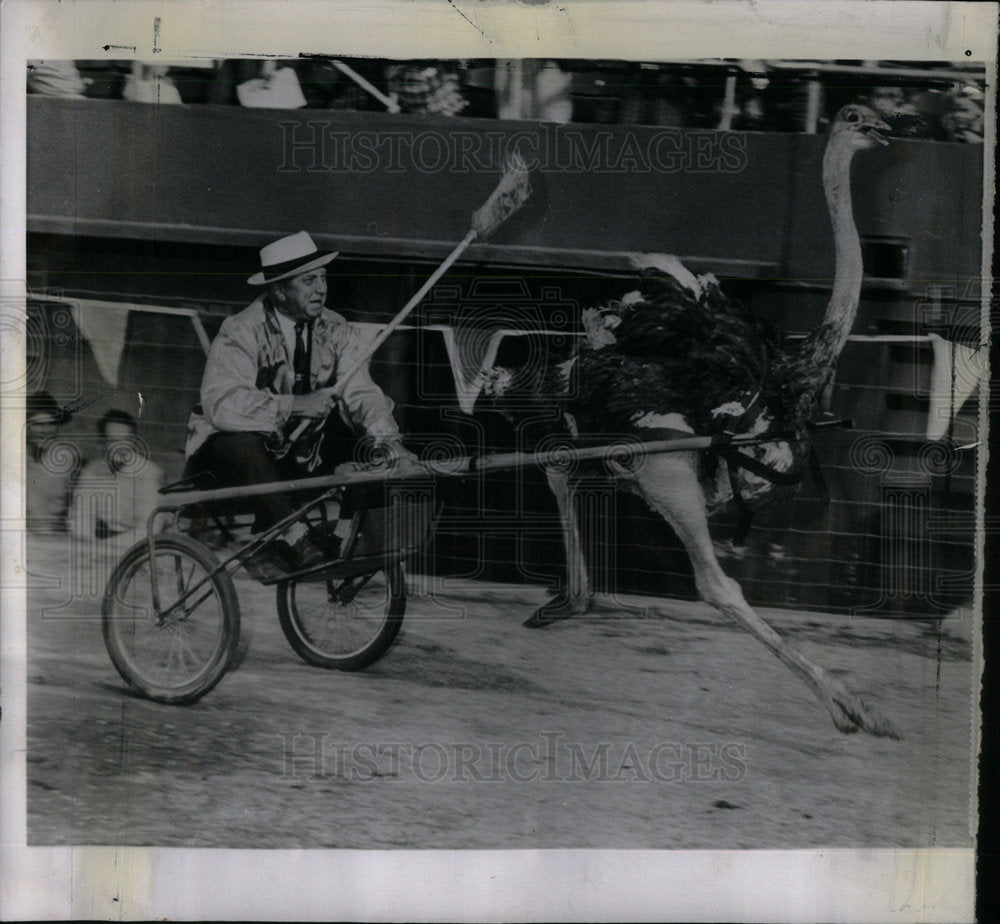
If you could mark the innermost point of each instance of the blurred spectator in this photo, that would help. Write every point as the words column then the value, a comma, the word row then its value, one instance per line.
column 116, row 492
column 553, row 102
column 230, row 72
column 257, row 84
column 326, row 87
column 885, row 101
column 642, row 90
column 741, row 105
column 191, row 78
column 104, row 79
column 931, row 104
column 671, row 99
column 428, row 87
column 964, row 120
column 598, row 91
column 150, row 83
column 533, row 89
column 55, row 78
column 791, row 100
column 477, row 78
column 898, row 109
column 275, row 88
column 49, row 466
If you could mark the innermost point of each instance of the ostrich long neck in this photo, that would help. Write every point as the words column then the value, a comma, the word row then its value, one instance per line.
column 825, row 344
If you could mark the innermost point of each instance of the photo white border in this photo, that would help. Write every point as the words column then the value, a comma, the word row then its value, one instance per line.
column 132, row 882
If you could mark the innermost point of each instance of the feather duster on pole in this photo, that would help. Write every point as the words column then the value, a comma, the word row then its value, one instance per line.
column 509, row 195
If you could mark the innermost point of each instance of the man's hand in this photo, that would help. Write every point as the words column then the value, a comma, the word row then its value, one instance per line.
column 396, row 453
column 316, row 404
column 385, row 453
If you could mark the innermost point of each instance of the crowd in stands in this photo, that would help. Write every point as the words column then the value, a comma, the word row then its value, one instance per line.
column 109, row 495
column 937, row 101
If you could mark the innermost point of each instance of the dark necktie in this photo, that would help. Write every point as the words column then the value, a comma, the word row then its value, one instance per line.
column 300, row 362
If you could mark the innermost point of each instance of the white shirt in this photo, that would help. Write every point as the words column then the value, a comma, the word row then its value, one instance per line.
column 287, row 326
column 123, row 499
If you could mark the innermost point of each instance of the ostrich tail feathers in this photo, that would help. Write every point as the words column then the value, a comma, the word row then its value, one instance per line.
column 497, row 381
column 669, row 264
column 598, row 326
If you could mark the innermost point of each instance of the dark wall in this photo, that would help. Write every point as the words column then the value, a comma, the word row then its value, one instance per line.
column 385, row 185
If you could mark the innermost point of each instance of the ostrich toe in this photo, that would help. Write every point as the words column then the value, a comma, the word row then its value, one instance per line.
column 558, row 608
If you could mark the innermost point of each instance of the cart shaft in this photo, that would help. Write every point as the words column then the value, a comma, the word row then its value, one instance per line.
column 462, row 466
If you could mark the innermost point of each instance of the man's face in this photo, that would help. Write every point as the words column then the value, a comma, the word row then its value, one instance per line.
column 965, row 117
column 303, row 296
column 886, row 100
column 40, row 428
column 115, row 432
column 116, row 436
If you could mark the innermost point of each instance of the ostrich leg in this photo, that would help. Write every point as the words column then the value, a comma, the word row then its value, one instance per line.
column 670, row 486
column 575, row 598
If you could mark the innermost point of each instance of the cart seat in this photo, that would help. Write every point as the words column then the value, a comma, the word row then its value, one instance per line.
column 212, row 522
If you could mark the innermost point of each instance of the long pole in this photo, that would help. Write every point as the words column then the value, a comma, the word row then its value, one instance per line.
column 463, row 466
column 338, row 389
column 508, row 196
column 391, row 104
column 405, row 310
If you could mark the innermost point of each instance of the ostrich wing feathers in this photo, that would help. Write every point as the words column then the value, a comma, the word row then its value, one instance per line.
column 674, row 344
column 680, row 346
column 669, row 265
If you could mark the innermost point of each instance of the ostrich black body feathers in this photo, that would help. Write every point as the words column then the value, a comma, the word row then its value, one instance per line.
column 670, row 357
column 675, row 350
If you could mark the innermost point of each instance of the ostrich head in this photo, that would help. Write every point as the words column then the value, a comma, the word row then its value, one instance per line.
column 857, row 127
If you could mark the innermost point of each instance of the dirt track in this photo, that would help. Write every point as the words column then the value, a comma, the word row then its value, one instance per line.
column 676, row 730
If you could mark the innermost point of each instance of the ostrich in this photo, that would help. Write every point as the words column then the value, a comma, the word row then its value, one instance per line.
column 676, row 357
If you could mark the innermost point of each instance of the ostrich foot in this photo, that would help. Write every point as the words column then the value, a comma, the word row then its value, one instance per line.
column 851, row 713
column 558, row 608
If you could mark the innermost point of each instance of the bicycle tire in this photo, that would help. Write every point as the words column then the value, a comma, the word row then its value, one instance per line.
column 129, row 623
column 366, row 629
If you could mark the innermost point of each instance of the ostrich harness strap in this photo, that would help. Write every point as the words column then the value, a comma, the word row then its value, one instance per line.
column 735, row 458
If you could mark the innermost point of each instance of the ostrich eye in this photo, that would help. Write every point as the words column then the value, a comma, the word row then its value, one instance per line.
column 853, row 115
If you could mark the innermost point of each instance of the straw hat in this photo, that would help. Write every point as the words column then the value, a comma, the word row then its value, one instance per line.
column 289, row 256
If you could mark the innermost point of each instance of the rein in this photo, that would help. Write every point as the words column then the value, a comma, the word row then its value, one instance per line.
column 738, row 459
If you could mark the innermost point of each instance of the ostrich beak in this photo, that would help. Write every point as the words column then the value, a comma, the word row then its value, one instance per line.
column 873, row 129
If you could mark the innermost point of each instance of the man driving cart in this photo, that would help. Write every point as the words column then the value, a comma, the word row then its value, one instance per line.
column 272, row 367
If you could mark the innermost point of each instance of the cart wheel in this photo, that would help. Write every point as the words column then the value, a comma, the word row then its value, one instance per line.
column 180, row 657
column 346, row 624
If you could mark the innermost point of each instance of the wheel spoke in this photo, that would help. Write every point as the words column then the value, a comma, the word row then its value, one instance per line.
column 186, row 652
column 347, row 624
column 328, row 631
column 198, row 602
column 179, row 572
column 183, row 654
column 169, row 650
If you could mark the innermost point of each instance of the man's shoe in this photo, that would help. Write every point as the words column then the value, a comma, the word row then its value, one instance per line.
column 307, row 554
column 271, row 563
